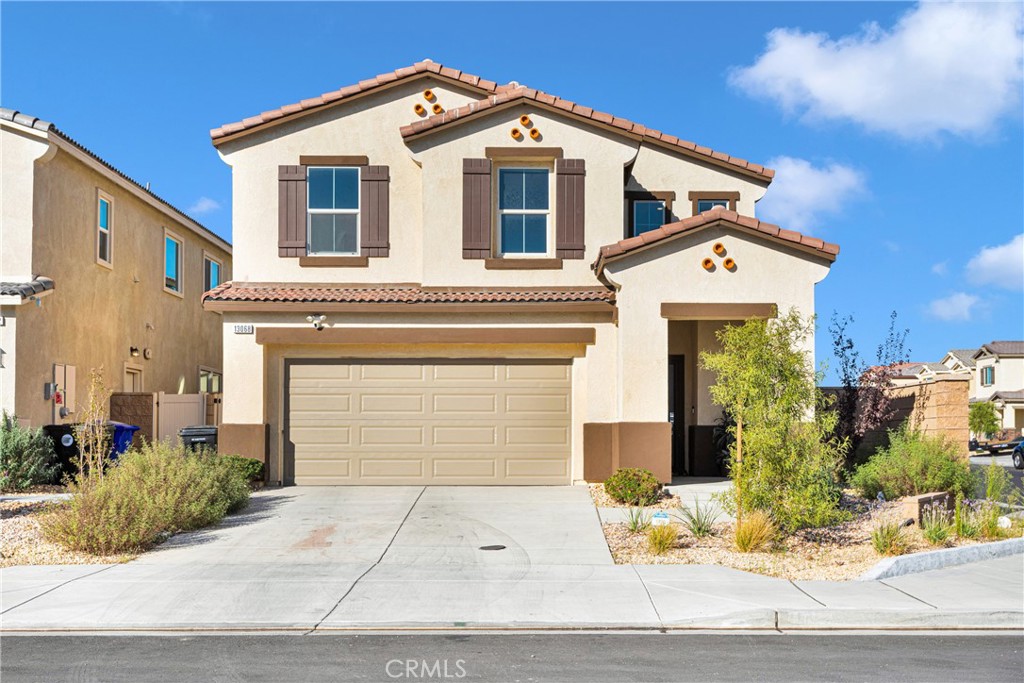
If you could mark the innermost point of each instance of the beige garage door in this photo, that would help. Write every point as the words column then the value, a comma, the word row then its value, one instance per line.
column 427, row 422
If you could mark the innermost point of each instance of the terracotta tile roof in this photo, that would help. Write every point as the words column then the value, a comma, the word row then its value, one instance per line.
column 402, row 294
column 706, row 219
column 627, row 127
column 359, row 88
column 498, row 94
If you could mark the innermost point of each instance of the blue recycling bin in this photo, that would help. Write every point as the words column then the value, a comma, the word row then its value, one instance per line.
column 121, row 439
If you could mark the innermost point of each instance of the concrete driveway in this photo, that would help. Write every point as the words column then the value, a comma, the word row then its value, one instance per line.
column 405, row 525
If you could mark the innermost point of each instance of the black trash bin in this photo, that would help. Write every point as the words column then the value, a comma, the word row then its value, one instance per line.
column 65, row 445
column 199, row 436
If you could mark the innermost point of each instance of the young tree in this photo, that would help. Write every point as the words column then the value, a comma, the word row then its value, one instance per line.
column 784, row 462
column 983, row 418
column 865, row 404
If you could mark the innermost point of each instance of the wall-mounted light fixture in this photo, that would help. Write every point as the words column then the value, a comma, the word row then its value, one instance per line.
column 134, row 351
column 147, row 353
column 318, row 321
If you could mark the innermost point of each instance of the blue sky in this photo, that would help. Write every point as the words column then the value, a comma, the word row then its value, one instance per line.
column 896, row 129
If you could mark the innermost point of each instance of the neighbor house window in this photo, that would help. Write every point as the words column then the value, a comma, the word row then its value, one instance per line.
column 104, row 210
column 988, row 376
column 172, row 263
column 648, row 214
column 333, row 209
column 523, row 210
column 210, row 381
column 211, row 273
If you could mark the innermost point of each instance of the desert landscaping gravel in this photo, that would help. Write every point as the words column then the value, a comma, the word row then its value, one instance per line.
column 22, row 542
column 837, row 553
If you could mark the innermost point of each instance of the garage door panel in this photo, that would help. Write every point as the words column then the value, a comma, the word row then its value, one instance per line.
column 422, row 422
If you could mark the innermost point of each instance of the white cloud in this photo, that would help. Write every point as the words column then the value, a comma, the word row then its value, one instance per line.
column 941, row 268
column 943, row 67
column 956, row 307
column 802, row 192
column 204, row 205
column 1001, row 266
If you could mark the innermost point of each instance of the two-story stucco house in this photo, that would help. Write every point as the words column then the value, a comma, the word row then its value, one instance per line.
column 441, row 279
column 96, row 271
column 999, row 378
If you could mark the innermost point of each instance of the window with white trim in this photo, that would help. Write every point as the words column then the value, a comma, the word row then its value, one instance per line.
column 104, row 213
column 333, row 210
column 524, row 210
column 988, row 375
column 172, row 263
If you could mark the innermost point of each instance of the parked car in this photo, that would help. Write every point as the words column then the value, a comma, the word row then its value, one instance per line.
column 996, row 447
column 1018, row 456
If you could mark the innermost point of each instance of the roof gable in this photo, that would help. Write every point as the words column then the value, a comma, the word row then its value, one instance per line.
column 424, row 69
column 509, row 98
column 716, row 217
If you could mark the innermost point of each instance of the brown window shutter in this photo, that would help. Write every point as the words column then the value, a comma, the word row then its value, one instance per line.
column 476, row 208
column 291, row 211
column 373, row 211
column 570, row 175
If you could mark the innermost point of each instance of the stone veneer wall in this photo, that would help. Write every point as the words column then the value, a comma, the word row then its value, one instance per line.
column 137, row 409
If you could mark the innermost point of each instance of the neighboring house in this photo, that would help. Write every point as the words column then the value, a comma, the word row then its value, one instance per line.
column 511, row 290
column 913, row 373
column 961, row 361
column 96, row 271
column 999, row 378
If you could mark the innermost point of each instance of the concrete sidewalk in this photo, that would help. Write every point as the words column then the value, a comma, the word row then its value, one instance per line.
column 246, row 597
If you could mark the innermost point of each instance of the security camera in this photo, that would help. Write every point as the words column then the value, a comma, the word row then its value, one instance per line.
column 317, row 320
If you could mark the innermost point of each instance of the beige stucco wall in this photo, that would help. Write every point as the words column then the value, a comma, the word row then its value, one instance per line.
column 659, row 170
column 96, row 313
column 672, row 273
column 20, row 147
column 1009, row 376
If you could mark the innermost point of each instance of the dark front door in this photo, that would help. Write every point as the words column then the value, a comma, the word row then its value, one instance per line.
column 677, row 412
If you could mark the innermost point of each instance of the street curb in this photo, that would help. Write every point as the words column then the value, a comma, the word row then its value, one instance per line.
column 857, row 619
column 937, row 559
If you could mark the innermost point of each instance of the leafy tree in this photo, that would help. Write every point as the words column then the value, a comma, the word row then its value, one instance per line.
column 785, row 461
column 983, row 418
column 865, row 404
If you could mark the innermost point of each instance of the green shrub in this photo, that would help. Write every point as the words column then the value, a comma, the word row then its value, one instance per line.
column 637, row 520
column 249, row 468
column 700, row 519
column 633, row 486
column 913, row 464
column 889, row 538
column 26, row 456
column 936, row 525
column 754, row 532
column 155, row 490
column 661, row 539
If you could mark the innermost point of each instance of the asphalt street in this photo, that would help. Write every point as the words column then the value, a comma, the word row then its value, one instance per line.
column 586, row 658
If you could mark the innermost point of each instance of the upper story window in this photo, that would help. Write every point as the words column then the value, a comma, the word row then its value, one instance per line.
column 647, row 210
column 333, row 210
column 104, row 210
column 172, row 263
column 705, row 201
column 210, row 381
column 524, row 209
column 211, row 272
column 988, row 375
